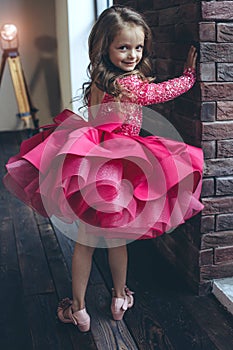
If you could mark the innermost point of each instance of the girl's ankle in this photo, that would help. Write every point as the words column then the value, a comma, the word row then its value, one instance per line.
column 118, row 294
column 76, row 306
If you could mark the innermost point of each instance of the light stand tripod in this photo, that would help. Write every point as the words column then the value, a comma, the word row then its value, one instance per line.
column 11, row 56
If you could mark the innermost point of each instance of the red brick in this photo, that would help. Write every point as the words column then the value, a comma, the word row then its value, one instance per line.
column 216, row 52
column 225, row 71
column 223, row 255
column 217, row 91
column 186, row 32
column 225, row 148
column 209, row 272
column 164, row 34
column 209, row 149
column 189, row 108
column 218, row 167
column 169, row 16
column 207, row 31
column 225, row 32
column 207, row 223
column 218, row 205
column 225, row 110
column 161, row 4
column 207, row 72
column 144, row 5
column 217, row 10
column 178, row 14
column 217, row 130
column 217, row 239
column 224, row 222
column 163, row 51
column 208, row 111
column 164, row 66
column 208, row 188
column 187, row 10
column 224, row 185
column 206, row 257
column 187, row 127
column 152, row 18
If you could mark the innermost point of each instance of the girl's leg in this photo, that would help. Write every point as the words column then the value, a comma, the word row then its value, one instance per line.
column 81, row 265
column 81, row 268
column 122, row 298
column 74, row 311
column 118, row 260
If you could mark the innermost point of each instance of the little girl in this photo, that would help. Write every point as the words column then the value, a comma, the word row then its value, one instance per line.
column 119, row 185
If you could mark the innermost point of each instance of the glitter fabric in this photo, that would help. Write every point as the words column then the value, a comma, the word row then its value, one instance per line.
column 137, row 92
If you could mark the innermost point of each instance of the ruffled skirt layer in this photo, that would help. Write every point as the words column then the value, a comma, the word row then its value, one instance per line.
column 122, row 186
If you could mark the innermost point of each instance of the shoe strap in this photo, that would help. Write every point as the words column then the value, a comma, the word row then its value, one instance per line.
column 125, row 304
column 72, row 316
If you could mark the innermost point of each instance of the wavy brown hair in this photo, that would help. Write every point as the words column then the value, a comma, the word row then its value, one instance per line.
column 100, row 69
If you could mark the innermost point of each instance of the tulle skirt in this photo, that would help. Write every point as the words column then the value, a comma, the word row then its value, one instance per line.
column 122, row 186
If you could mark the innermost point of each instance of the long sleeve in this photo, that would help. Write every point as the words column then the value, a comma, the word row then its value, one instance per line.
column 144, row 93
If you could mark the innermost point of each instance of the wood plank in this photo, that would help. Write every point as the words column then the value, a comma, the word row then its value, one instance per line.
column 57, row 264
column 147, row 332
column 62, row 281
column 214, row 320
column 4, row 194
column 9, row 145
column 108, row 334
column 14, row 330
column 46, row 332
column 67, row 247
column 4, row 202
column 32, row 260
column 192, row 280
column 41, row 220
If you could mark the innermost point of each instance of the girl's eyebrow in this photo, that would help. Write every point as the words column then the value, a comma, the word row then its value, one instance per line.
column 129, row 44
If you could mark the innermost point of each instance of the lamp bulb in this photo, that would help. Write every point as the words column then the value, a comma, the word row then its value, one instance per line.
column 8, row 32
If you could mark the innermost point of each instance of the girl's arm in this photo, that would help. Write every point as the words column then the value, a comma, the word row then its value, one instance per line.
column 144, row 93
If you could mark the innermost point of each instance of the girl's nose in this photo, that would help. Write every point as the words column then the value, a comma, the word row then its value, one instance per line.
column 132, row 53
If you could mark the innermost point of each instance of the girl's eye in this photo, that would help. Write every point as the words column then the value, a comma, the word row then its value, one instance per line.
column 123, row 48
column 139, row 48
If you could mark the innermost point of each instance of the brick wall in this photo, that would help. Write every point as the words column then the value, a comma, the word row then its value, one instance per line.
column 202, row 249
column 216, row 72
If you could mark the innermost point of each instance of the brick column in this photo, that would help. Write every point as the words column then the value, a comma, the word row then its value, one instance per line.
column 216, row 73
column 202, row 248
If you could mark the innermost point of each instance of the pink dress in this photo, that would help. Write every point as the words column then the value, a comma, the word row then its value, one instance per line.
column 104, row 173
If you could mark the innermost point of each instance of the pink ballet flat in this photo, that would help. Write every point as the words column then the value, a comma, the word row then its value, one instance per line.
column 120, row 305
column 80, row 318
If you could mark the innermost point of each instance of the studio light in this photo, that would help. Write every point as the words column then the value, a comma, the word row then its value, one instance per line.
column 9, row 32
column 9, row 36
column 9, row 44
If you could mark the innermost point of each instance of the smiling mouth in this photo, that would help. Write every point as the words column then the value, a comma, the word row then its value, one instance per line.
column 130, row 63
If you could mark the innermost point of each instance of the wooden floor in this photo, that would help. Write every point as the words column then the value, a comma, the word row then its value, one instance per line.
column 35, row 273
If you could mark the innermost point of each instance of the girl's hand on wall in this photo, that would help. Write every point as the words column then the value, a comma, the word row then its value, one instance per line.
column 192, row 58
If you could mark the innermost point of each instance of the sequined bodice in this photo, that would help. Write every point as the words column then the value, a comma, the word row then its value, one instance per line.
column 138, row 93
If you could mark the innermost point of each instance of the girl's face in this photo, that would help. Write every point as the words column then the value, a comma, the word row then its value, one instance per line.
column 126, row 49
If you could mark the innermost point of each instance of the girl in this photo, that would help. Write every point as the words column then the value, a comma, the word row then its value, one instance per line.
column 121, row 186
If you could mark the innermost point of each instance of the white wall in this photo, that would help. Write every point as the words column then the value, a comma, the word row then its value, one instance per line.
column 74, row 22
